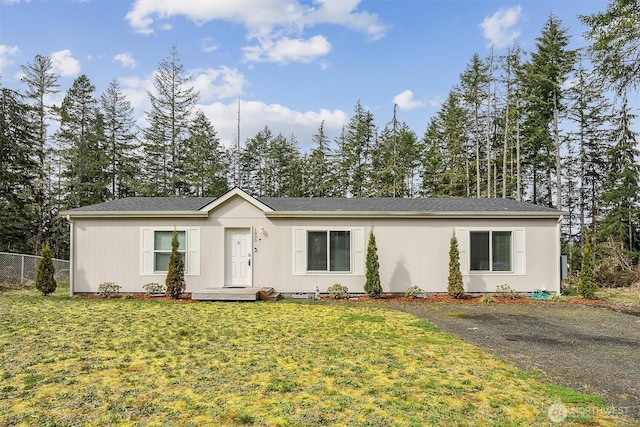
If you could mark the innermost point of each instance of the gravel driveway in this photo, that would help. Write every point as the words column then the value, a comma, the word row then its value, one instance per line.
column 588, row 349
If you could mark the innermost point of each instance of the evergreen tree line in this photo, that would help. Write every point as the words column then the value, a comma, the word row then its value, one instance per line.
column 552, row 126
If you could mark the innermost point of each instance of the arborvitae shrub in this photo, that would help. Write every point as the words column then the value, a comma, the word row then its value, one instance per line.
column 587, row 285
column 455, row 286
column 45, row 282
column 372, row 286
column 175, row 284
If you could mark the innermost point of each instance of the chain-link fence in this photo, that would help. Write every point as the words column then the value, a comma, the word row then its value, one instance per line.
column 19, row 268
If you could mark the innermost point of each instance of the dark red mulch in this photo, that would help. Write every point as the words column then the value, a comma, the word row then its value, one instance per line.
column 632, row 309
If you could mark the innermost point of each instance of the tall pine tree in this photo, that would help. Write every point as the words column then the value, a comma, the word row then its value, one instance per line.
column 18, row 171
column 614, row 51
column 622, row 220
column 206, row 163
column 41, row 82
column 82, row 142
column 544, row 76
column 172, row 103
column 475, row 84
column 121, row 144
column 320, row 173
column 354, row 152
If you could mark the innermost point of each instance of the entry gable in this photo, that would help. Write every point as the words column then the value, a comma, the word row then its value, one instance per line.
column 236, row 192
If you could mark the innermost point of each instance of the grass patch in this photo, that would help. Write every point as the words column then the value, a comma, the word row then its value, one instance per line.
column 353, row 317
column 459, row 315
column 567, row 395
column 68, row 361
column 630, row 295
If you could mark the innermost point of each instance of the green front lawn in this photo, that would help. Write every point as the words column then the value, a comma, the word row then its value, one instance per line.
column 77, row 362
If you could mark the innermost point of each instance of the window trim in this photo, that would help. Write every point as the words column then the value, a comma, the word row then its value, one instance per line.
column 147, row 250
column 165, row 251
column 299, row 251
column 491, row 251
column 327, row 231
column 518, row 251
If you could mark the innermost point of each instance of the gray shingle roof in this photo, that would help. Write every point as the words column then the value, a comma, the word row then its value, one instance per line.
column 402, row 205
column 149, row 204
column 299, row 204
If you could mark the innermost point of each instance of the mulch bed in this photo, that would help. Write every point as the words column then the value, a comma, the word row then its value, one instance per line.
column 632, row 309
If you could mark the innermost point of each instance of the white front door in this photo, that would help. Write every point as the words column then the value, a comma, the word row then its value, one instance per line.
column 238, row 257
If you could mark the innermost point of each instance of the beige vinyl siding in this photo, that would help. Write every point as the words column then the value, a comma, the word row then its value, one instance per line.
column 412, row 251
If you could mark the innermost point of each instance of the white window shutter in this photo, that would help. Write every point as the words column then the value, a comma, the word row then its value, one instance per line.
column 193, row 251
column 462, row 234
column 358, row 250
column 519, row 251
column 299, row 252
column 146, row 251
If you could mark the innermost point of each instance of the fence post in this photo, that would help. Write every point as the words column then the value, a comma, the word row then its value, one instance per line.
column 21, row 269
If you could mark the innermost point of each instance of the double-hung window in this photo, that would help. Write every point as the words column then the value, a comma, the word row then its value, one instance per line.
column 329, row 250
column 162, row 248
column 490, row 251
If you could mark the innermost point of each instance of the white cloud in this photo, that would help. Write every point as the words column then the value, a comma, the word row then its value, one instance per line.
column 436, row 101
column 254, row 116
column 277, row 25
column 287, row 50
column 217, row 84
column 13, row 1
column 343, row 12
column 125, row 59
column 137, row 92
column 6, row 52
column 208, row 45
column 65, row 64
column 499, row 29
column 224, row 83
column 406, row 102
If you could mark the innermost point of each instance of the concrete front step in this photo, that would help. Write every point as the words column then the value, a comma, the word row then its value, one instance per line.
column 235, row 294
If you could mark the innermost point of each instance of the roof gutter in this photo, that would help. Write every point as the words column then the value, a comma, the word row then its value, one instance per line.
column 136, row 214
column 417, row 215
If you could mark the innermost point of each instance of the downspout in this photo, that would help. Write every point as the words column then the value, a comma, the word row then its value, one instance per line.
column 558, row 254
column 71, row 254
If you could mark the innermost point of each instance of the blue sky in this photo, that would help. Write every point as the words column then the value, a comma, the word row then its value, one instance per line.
column 291, row 63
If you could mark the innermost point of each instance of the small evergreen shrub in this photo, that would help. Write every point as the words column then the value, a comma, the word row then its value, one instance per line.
column 487, row 299
column 455, row 286
column 45, row 281
column 175, row 284
column 413, row 291
column 154, row 288
column 337, row 290
column 372, row 286
column 507, row 292
column 587, row 285
column 108, row 289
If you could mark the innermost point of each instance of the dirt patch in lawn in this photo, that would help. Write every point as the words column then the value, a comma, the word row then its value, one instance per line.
column 586, row 345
